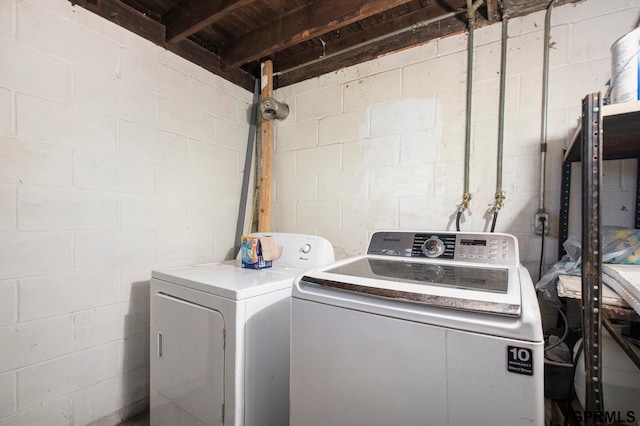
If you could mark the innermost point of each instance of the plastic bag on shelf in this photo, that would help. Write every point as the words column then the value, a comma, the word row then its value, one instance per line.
column 619, row 245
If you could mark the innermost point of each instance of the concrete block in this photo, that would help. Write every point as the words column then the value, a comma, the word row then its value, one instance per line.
column 8, row 218
column 451, row 107
column 576, row 12
column 525, row 53
column 7, row 25
column 56, row 413
column 301, row 188
column 149, row 144
column 346, row 242
column 7, row 117
column 111, row 96
column 448, row 178
column 568, row 85
column 110, row 323
column 212, row 160
column 597, row 35
column 372, row 90
column 284, row 219
column 184, row 120
column 107, row 249
column 321, row 160
column 28, row 71
column 8, row 304
column 134, row 355
column 61, row 124
column 452, row 143
column 35, row 253
column 184, row 244
column 435, row 212
column 371, row 153
column 405, row 57
column 193, row 182
column 212, row 100
column 401, row 182
column 321, row 103
column 284, row 165
column 139, row 212
column 406, row 115
column 98, row 401
column 201, row 211
column 297, row 135
column 345, row 127
column 419, row 148
column 370, row 214
column 50, row 380
column 152, row 75
column 96, row 171
column 321, row 214
column 7, row 394
column 30, row 163
column 487, row 62
column 56, row 36
column 58, row 294
column 35, row 341
column 56, row 209
column 343, row 186
column 434, row 75
column 452, row 44
column 230, row 135
column 134, row 279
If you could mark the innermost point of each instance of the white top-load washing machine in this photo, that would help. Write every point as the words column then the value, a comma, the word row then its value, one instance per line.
column 425, row 329
column 220, row 338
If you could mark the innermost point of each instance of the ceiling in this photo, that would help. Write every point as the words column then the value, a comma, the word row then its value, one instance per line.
column 303, row 38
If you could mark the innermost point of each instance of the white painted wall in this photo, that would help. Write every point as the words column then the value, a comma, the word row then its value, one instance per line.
column 116, row 157
column 381, row 145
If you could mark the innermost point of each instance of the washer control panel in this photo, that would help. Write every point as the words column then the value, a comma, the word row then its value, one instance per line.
column 480, row 247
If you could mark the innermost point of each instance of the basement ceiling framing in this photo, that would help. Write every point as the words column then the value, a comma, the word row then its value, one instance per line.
column 303, row 38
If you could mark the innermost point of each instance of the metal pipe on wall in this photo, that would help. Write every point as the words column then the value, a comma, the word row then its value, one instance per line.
column 466, row 197
column 500, row 196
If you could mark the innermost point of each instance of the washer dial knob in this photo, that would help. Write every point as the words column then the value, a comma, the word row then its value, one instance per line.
column 433, row 247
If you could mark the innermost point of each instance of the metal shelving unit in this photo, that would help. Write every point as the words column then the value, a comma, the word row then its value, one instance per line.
column 619, row 126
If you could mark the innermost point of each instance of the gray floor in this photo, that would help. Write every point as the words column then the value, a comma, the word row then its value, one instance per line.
column 139, row 420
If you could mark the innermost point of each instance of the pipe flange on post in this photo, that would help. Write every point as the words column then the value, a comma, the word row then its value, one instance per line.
column 270, row 109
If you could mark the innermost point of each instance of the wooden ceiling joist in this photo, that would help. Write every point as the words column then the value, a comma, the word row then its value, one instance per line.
column 304, row 23
column 186, row 20
column 303, row 38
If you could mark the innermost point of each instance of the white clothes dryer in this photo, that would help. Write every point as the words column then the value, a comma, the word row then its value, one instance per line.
column 220, row 338
column 425, row 329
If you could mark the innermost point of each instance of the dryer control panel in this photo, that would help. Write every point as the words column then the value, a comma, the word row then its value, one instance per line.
column 479, row 247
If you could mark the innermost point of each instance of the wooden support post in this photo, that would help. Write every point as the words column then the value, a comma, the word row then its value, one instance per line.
column 266, row 160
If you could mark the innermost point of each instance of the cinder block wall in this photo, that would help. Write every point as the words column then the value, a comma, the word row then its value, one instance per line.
column 116, row 157
column 381, row 145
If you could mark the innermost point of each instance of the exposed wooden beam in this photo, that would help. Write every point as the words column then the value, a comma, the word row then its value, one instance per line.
column 266, row 159
column 309, row 21
column 189, row 18
column 492, row 10
column 136, row 22
column 355, row 39
column 368, row 52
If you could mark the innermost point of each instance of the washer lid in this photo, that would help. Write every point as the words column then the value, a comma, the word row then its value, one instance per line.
column 465, row 286
column 229, row 279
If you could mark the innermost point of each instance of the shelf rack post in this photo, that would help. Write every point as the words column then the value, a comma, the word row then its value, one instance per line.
column 592, row 255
